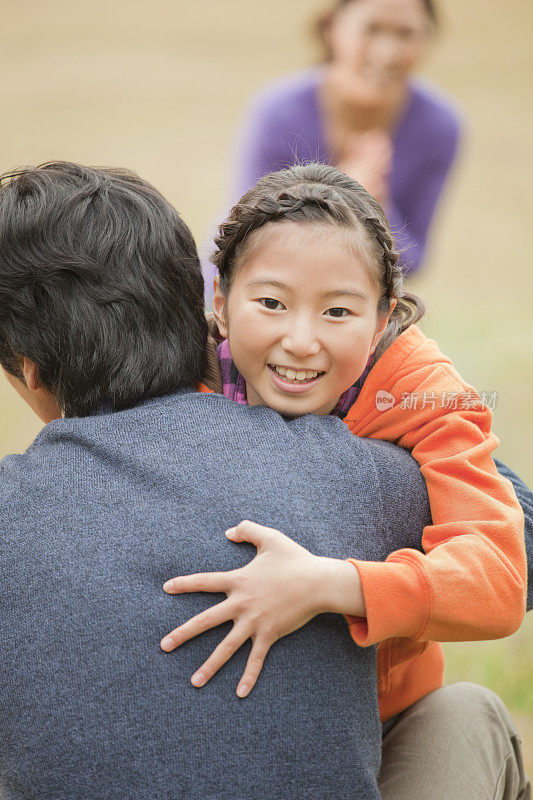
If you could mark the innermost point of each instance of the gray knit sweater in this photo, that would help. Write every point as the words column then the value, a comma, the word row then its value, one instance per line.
column 96, row 515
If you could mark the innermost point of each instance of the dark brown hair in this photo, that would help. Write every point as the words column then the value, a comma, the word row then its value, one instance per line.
column 317, row 193
column 323, row 22
column 100, row 286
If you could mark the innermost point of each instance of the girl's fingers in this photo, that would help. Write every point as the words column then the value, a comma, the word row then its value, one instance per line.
column 247, row 531
column 222, row 653
column 199, row 582
column 253, row 668
column 208, row 619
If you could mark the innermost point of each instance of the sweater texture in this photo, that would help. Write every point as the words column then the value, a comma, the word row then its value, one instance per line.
column 96, row 515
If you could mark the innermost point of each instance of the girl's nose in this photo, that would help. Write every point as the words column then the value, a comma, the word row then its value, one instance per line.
column 300, row 341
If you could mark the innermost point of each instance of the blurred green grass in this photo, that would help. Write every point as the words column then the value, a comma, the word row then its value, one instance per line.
column 505, row 666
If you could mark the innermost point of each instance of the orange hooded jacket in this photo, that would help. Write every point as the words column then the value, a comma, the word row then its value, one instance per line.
column 470, row 582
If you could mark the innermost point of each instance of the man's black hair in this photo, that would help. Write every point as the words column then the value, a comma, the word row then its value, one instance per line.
column 100, row 286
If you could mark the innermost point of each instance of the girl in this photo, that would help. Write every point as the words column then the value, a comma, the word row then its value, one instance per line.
column 311, row 301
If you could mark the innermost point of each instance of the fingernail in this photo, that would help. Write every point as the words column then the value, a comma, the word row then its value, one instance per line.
column 167, row 586
column 230, row 532
column 166, row 643
column 242, row 690
column 198, row 679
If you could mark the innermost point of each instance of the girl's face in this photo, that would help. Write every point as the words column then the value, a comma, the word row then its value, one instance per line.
column 301, row 317
column 376, row 44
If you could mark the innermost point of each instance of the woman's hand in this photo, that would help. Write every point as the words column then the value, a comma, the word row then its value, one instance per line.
column 279, row 591
column 368, row 160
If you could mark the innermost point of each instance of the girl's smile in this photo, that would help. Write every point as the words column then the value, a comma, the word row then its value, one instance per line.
column 301, row 316
column 294, row 379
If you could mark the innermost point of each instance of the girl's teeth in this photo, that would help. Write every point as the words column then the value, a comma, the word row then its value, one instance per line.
column 292, row 375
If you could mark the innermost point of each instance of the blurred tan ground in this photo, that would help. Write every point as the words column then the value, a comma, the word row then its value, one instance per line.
column 159, row 86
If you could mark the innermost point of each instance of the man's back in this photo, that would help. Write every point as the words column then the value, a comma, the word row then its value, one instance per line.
column 96, row 516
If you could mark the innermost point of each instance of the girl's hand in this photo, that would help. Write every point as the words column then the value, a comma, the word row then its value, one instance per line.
column 280, row 590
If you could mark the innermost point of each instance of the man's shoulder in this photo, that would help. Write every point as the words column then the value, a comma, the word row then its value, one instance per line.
column 26, row 482
column 19, row 468
column 179, row 419
column 402, row 492
column 395, row 468
column 59, row 448
column 74, row 463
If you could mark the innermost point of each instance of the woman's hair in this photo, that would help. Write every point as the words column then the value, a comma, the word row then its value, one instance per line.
column 323, row 22
column 320, row 194
column 100, row 286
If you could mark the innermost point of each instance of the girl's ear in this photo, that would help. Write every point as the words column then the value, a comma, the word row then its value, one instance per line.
column 219, row 308
column 382, row 326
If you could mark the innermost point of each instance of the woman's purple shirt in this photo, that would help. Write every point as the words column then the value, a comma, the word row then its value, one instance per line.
column 284, row 126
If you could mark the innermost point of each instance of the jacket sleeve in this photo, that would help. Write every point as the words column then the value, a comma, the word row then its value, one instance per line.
column 470, row 581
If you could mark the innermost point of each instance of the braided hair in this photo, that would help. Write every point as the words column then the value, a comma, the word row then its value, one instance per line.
column 317, row 193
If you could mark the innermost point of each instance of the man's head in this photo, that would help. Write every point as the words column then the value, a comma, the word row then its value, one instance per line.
column 101, row 293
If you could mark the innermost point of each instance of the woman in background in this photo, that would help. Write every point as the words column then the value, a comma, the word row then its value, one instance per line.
column 362, row 111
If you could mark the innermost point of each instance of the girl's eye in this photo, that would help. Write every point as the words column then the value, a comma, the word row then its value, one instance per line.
column 337, row 312
column 270, row 303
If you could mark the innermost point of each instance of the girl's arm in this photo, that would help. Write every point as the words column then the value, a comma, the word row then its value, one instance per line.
column 470, row 583
column 282, row 589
